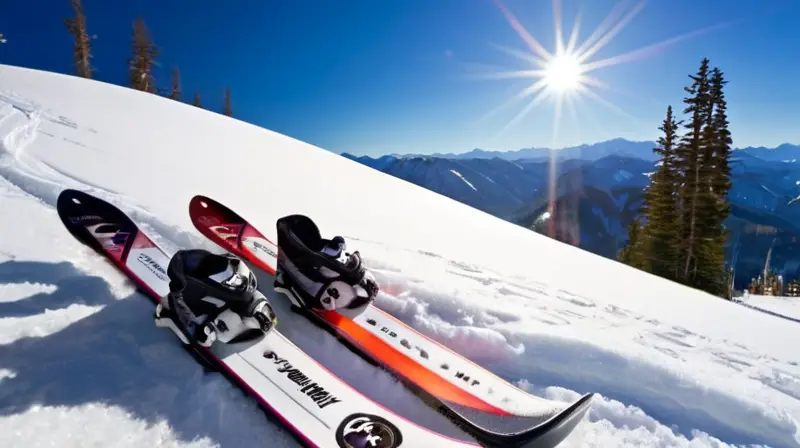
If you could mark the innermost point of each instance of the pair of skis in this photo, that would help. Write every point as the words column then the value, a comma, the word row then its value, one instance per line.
column 319, row 408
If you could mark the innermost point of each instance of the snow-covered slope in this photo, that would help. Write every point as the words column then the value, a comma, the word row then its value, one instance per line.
column 785, row 307
column 81, row 362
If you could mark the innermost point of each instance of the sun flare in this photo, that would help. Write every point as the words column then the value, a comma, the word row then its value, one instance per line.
column 563, row 73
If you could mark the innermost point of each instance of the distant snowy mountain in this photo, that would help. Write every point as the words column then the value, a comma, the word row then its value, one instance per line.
column 596, row 196
column 594, row 151
column 785, row 152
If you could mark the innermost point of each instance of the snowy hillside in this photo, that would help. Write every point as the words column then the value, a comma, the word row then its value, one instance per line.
column 81, row 363
column 785, row 307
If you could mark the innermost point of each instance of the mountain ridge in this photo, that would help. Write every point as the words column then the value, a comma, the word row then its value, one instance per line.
column 592, row 151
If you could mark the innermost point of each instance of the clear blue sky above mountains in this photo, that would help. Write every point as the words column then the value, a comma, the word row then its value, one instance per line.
column 374, row 77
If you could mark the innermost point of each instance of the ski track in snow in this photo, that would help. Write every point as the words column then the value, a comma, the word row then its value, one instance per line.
column 81, row 362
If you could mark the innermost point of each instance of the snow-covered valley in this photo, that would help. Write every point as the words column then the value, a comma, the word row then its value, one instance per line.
column 81, row 363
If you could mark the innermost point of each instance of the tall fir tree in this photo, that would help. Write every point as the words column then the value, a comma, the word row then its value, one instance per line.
column 226, row 107
column 689, row 167
column 632, row 253
column 142, row 60
column 81, row 48
column 661, row 234
column 196, row 100
column 721, row 183
column 717, row 209
column 175, row 89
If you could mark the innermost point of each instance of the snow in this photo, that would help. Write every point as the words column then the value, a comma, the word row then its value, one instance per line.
column 786, row 307
column 81, row 362
column 465, row 180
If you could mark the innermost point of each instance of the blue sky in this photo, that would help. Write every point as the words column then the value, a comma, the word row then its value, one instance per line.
column 395, row 76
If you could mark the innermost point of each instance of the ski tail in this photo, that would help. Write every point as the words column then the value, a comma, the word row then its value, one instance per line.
column 488, row 424
column 548, row 433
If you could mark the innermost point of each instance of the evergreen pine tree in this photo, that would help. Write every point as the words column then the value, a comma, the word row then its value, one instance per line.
column 226, row 108
column 82, row 52
column 717, row 208
column 689, row 158
column 175, row 91
column 661, row 232
column 140, row 65
column 631, row 254
column 196, row 101
column 721, row 183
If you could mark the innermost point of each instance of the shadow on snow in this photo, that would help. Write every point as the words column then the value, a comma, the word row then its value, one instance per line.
column 118, row 357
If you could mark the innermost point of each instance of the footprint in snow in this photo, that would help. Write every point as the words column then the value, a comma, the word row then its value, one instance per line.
column 465, row 266
column 486, row 281
column 782, row 381
column 575, row 299
column 569, row 313
column 550, row 318
column 503, row 317
column 731, row 359
column 670, row 337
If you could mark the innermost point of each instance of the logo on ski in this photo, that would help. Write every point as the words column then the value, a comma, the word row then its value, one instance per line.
column 262, row 247
column 152, row 266
column 109, row 236
column 84, row 218
column 317, row 393
column 226, row 232
column 367, row 431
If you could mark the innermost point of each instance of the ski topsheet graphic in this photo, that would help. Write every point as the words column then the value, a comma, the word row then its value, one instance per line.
column 483, row 404
column 319, row 408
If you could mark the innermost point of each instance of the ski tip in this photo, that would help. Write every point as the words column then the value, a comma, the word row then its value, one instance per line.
column 204, row 202
column 202, row 207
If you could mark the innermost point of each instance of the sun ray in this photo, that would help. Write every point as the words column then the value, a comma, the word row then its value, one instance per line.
column 541, row 95
column 573, row 113
column 650, row 49
column 611, row 33
column 528, row 91
column 521, row 55
column 615, row 12
column 557, row 26
column 593, row 95
column 510, row 75
column 533, row 44
column 573, row 37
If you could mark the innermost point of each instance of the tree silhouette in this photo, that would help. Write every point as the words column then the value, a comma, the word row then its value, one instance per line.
column 226, row 108
column 175, row 91
column 77, row 27
column 140, row 65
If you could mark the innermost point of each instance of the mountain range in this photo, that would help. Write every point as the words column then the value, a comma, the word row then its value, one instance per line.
column 597, row 191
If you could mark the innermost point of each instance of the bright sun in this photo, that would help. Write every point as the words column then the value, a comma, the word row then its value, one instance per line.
column 563, row 73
